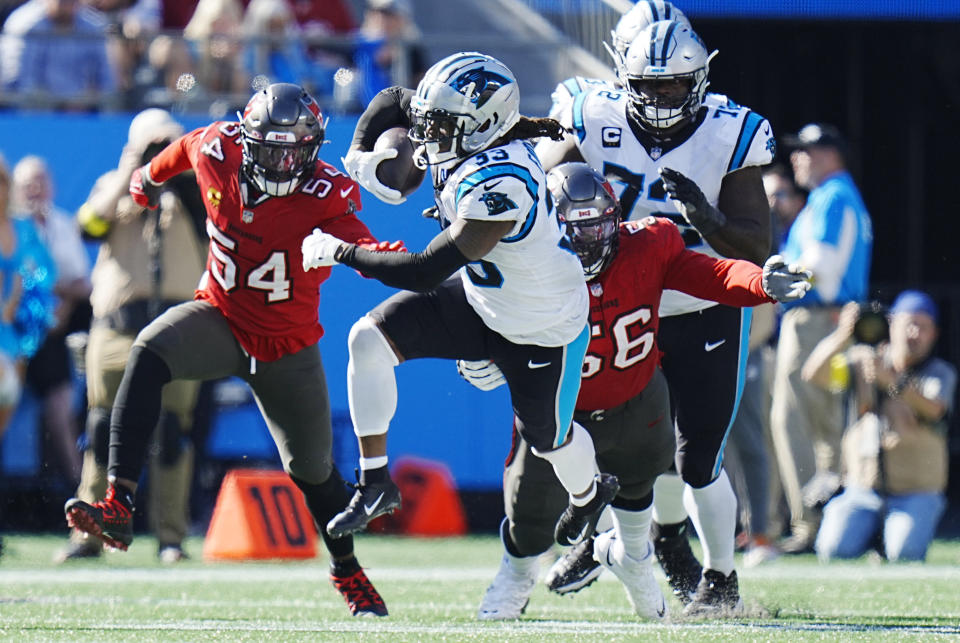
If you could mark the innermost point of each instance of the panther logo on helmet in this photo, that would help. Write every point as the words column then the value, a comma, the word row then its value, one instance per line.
column 282, row 130
column 464, row 103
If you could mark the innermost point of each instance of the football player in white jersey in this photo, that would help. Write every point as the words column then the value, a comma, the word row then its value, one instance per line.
column 519, row 299
column 657, row 140
column 642, row 14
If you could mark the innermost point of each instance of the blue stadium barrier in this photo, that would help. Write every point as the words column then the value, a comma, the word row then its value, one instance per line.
column 439, row 416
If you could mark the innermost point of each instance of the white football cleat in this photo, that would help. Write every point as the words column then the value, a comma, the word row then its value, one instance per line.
column 509, row 593
column 643, row 590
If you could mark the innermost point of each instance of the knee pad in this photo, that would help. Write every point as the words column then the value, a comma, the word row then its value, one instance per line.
column 98, row 434
column 368, row 345
column 696, row 477
column 171, row 442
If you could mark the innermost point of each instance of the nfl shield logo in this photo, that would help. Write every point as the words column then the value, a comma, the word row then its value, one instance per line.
column 655, row 153
column 596, row 290
column 247, row 216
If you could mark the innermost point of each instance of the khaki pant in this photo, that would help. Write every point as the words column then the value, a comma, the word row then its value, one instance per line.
column 806, row 422
column 169, row 489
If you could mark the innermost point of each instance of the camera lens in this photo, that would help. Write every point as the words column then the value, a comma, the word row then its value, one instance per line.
column 872, row 326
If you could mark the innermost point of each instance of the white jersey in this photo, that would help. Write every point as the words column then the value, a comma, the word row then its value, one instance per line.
column 727, row 138
column 530, row 288
column 567, row 90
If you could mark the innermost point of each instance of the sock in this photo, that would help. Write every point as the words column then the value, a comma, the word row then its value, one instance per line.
column 377, row 475
column 326, row 500
column 520, row 564
column 344, row 567
column 575, row 464
column 605, row 522
column 633, row 530
column 713, row 510
column 668, row 500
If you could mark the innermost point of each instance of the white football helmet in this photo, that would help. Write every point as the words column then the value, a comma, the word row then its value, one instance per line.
column 664, row 55
column 642, row 15
column 464, row 103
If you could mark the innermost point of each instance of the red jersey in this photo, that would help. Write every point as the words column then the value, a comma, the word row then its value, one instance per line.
column 255, row 267
column 625, row 298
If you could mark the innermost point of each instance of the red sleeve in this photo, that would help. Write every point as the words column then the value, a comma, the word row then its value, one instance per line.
column 733, row 282
column 176, row 157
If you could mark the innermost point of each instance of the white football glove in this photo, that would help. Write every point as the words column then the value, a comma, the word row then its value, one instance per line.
column 783, row 282
column 483, row 374
column 362, row 168
column 318, row 250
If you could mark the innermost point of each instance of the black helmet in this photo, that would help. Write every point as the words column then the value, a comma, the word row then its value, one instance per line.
column 282, row 130
column 590, row 213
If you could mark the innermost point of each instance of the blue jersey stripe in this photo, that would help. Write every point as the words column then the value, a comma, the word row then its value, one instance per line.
column 472, row 180
column 572, row 86
column 746, row 314
column 751, row 123
column 573, row 354
column 578, row 115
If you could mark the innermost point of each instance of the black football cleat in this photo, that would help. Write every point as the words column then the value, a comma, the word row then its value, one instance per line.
column 680, row 566
column 110, row 519
column 368, row 502
column 716, row 596
column 574, row 570
column 362, row 597
column 576, row 523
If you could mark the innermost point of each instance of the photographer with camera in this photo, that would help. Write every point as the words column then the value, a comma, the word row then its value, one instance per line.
column 149, row 260
column 894, row 449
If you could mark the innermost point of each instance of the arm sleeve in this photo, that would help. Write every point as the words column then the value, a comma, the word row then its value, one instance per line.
column 175, row 158
column 416, row 271
column 732, row 282
column 389, row 108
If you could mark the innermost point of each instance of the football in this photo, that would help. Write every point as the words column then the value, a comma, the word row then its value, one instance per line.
column 400, row 172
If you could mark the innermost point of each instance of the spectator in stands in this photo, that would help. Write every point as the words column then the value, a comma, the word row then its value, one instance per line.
column 64, row 56
column 273, row 45
column 214, row 35
column 149, row 260
column 786, row 200
column 49, row 371
column 15, row 25
column 832, row 236
column 387, row 51
column 895, row 445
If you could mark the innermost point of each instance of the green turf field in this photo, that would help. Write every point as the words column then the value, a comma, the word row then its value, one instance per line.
column 433, row 588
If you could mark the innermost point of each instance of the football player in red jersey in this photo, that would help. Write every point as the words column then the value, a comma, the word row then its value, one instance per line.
column 623, row 401
column 255, row 313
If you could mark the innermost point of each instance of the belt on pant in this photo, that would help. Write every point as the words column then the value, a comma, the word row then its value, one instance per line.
column 599, row 415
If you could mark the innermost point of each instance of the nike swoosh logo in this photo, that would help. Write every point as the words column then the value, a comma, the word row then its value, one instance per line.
column 661, row 610
column 709, row 347
column 490, row 186
column 371, row 508
column 609, row 562
column 766, row 130
column 344, row 193
column 533, row 364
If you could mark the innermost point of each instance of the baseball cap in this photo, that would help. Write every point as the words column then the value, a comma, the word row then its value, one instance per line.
column 914, row 301
column 817, row 134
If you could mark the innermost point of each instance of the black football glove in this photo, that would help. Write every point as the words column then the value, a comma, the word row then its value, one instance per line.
column 692, row 204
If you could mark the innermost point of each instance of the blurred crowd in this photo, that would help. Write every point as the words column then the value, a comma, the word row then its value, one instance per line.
column 201, row 55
